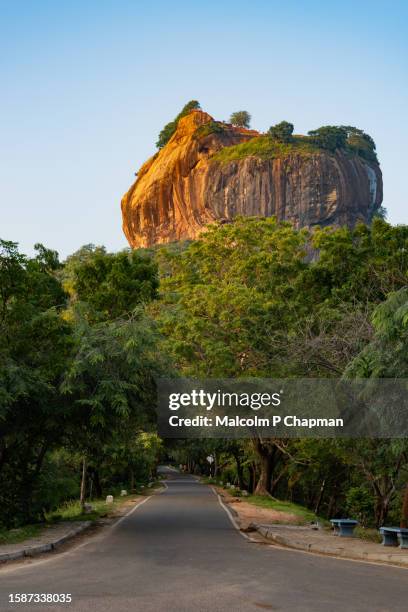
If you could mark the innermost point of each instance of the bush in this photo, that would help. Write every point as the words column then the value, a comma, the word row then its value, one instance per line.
column 212, row 127
column 282, row 132
column 360, row 504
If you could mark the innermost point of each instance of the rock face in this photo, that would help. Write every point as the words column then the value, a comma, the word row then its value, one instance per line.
column 181, row 189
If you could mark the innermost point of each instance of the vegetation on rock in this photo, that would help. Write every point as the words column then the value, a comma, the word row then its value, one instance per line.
column 212, row 127
column 241, row 119
column 265, row 147
column 282, row 131
column 280, row 143
column 169, row 129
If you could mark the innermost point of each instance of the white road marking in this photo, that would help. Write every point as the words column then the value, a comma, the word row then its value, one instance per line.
column 60, row 555
column 298, row 550
column 131, row 511
column 230, row 516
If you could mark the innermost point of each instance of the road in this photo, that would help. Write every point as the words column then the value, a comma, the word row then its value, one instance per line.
column 179, row 552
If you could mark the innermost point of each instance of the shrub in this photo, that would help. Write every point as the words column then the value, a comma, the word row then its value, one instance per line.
column 360, row 504
column 212, row 127
column 282, row 132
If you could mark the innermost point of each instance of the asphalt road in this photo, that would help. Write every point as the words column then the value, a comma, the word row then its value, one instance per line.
column 179, row 552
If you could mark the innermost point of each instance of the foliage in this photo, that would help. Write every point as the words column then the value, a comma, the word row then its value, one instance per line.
column 19, row 534
column 380, row 213
column 75, row 376
column 360, row 503
column 258, row 298
column 345, row 137
column 35, row 349
column 386, row 356
column 110, row 284
column 82, row 343
column 217, row 303
column 282, row 132
column 241, row 119
column 169, row 129
column 361, row 143
column 212, row 127
column 329, row 137
column 265, row 147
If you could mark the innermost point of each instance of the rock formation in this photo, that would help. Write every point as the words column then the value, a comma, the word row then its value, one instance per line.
column 186, row 185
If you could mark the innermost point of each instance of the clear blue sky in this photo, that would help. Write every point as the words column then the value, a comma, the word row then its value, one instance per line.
column 87, row 85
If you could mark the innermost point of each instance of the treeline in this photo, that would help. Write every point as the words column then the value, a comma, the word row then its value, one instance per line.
column 78, row 357
column 81, row 344
column 257, row 298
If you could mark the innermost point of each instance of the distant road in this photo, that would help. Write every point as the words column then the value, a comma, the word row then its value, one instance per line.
column 179, row 552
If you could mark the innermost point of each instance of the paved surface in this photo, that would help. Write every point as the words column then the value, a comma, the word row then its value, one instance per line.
column 49, row 538
column 179, row 552
column 304, row 538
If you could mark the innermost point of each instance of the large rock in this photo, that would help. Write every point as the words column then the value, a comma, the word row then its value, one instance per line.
column 181, row 189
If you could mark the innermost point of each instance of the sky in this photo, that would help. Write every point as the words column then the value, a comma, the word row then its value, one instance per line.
column 86, row 86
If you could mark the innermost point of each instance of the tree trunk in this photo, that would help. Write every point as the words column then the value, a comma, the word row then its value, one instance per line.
column 131, row 479
column 266, row 457
column 331, row 509
column 97, row 484
column 275, row 481
column 404, row 512
column 215, row 464
column 319, row 499
column 83, row 485
column 381, row 510
column 252, row 477
column 240, row 471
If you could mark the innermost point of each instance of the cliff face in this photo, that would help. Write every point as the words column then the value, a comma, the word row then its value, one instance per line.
column 182, row 188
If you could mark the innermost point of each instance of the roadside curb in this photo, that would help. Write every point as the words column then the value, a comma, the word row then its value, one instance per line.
column 332, row 551
column 32, row 551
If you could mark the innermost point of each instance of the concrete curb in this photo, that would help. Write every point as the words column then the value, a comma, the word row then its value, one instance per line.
column 32, row 551
column 332, row 551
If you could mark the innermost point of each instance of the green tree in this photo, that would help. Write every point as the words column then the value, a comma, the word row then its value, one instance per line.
column 329, row 137
column 386, row 356
column 111, row 385
column 282, row 132
column 110, row 284
column 245, row 300
column 35, row 350
column 169, row 129
column 241, row 119
column 360, row 142
column 381, row 464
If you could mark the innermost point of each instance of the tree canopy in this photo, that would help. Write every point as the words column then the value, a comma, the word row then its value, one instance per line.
column 169, row 129
column 241, row 119
column 282, row 132
column 82, row 343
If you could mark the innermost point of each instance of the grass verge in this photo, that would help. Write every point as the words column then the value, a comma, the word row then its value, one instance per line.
column 71, row 511
column 13, row 536
column 304, row 514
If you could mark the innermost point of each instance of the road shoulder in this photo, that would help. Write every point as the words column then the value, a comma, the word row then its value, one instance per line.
column 305, row 538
